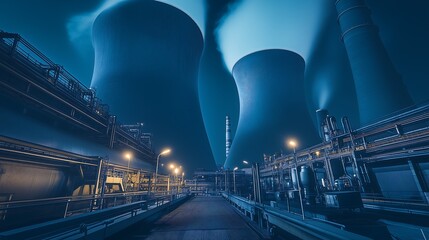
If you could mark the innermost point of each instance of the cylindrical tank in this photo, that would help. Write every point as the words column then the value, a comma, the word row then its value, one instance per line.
column 147, row 56
column 306, row 176
column 294, row 178
column 307, row 180
column 272, row 105
column 379, row 88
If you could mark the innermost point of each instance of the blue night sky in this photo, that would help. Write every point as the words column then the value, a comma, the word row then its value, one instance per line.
column 232, row 29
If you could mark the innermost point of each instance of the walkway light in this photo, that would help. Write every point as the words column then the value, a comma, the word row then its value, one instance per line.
column 293, row 143
column 128, row 156
column 164, row 152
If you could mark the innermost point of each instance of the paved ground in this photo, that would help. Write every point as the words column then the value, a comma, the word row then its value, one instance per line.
column 200, row 218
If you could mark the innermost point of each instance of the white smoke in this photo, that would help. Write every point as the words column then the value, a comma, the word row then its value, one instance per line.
column 79, row 27
column 256, row 25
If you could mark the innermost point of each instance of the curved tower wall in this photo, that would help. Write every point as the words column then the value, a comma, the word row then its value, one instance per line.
column 379, row 87
column 272, row 105
column 147, row 56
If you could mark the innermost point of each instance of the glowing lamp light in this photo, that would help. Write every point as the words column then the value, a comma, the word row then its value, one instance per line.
column 292, row 143
column 128, row 156
column 166, row 151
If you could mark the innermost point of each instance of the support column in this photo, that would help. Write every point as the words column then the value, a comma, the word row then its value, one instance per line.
column 418, row 178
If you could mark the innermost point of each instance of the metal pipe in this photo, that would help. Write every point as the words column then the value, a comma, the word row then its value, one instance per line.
column 44, row 156
column 66, row 208
column 14, row 141
column 51, row 108
column 51, row 94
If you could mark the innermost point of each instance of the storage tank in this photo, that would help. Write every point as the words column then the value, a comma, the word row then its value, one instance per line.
column 272, row 105
column 379, row 88
column 294, row 178
column 307, row 180
column 147, row 55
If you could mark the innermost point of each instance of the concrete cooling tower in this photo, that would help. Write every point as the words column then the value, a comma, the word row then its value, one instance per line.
column 147, row 56
column 270, row 84
column 379, row 87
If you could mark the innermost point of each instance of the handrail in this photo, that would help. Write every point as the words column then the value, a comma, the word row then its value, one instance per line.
column 58, row 83
column 311, row 228
column 79, row 224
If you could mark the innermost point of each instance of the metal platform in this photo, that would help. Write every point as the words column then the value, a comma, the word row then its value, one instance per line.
column 204, row 217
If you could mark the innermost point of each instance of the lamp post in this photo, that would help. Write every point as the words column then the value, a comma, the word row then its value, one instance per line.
column 176, row 171
column 128, row 156
column 233, row 173
column 293, row 144
column 164, row 152
column 254, row 180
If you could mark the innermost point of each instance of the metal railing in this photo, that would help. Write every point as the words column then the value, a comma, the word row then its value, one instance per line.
column 398, row 197
column 29, row 211
column 97, row 222
column 52, row 73
column 57, row 83
column 295, row 225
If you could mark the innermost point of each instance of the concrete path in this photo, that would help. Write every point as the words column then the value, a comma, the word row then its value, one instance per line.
column 200, row 218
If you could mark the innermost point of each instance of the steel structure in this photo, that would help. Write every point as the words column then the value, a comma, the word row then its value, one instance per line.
column 387, row 162
column 28, row 76
column 82, row 168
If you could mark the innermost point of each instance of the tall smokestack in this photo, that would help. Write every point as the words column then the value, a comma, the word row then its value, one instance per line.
column 270, row 85
column 228, row 136
column 379, row 88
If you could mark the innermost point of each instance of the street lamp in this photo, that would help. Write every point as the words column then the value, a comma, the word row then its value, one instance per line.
column 128, row 156
column 293, row 144
column 164, row 152
column 233, row 173
column 255, row 180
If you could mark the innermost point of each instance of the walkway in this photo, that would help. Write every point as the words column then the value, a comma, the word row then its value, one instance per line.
column 200, row 218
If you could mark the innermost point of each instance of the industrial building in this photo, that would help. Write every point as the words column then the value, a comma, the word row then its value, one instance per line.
column 134, row 156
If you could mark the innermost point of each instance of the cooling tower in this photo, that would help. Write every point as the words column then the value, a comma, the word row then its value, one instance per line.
column 379, row 88
column 147, row 56
column 272, row 105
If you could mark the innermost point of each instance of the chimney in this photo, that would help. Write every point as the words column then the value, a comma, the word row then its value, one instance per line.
column 379, row 87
